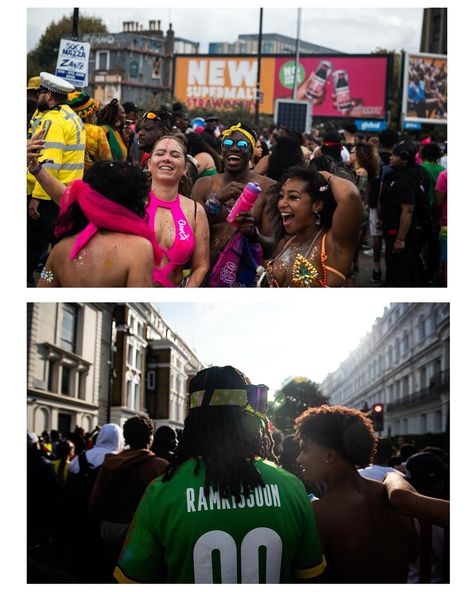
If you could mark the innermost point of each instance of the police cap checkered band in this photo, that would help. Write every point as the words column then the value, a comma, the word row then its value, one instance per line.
column 55, row 84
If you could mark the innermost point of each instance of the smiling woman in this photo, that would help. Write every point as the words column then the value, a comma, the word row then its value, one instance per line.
column 319, row 216
column 179, row 224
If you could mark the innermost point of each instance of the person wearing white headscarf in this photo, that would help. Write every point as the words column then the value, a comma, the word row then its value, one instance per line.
column 109, row 441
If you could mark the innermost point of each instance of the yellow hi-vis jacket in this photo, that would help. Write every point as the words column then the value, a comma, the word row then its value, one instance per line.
column 65, row 146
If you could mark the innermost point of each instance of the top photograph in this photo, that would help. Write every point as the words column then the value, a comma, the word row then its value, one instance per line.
column 233, row 148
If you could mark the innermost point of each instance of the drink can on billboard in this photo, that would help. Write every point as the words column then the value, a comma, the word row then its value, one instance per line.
column 341, row 88
column 318, row 81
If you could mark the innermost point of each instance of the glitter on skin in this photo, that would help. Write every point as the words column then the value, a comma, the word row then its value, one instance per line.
column 47, row 276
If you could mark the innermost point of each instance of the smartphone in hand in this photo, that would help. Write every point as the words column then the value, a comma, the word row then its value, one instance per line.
column 45, row 128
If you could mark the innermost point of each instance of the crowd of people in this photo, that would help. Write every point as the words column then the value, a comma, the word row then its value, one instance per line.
column 328, row 503
column 119, row 197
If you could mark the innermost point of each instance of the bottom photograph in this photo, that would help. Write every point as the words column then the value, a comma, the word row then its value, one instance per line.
column 231, row 443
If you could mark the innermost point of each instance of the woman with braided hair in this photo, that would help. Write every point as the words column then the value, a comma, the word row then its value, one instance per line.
column 112, row 119
column 221, row 500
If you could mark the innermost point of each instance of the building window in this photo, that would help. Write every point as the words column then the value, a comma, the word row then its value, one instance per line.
column 53, row 375
column 421, row 329
column 66, row 377
column 423, row 374
column 133, row 69
column 69, row 327
column 82, row 385
column 138, row 362
column 130, row 355
column 405, row 343
column 136, row 401
column 151, row 380
column 397, row 349
column 128, row 394
column 390, row 355
column 102, row 60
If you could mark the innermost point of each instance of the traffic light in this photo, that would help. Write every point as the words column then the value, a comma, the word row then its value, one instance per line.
column 377, row 416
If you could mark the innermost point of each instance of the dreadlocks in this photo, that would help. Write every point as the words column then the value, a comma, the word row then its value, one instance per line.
column 224, row 438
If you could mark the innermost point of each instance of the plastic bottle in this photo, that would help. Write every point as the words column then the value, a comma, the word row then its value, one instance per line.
column 245, row 201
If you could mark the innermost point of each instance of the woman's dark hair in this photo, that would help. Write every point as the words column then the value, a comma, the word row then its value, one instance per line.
column 406, row 150
column 265, row 149
column 108, row 114
column 314, row 183
column 119, row 181
column 431, row 152
column 286, row 153
column 197, row 144
column 349, row 431
column 367, row 158
column 138, row 431
column 223, row 437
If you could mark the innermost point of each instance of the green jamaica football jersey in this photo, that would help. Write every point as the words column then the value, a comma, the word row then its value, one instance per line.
column 179, row 535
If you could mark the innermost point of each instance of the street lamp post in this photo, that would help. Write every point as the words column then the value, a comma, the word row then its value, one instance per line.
column 297, row 53
column 259, row 59
column 75, row 24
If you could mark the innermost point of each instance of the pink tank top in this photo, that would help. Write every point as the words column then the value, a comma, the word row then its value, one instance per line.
column 184, row 241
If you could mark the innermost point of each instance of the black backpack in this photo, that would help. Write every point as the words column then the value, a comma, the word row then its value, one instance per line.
column 79, row 485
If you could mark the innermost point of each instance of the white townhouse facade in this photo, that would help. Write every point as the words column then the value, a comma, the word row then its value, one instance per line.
column 403, row 363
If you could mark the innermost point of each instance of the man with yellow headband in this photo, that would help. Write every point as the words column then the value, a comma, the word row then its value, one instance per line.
column 223, row 513
column 220, row 192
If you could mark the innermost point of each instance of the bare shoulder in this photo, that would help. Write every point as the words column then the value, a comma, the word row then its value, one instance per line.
column 189, row 206
column 202, row 188
column 264, row 182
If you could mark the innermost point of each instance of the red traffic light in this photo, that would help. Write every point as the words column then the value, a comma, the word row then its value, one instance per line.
column 377, row 408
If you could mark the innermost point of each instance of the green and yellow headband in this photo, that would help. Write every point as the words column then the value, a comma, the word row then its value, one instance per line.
column 238, row 128
column 252, row 398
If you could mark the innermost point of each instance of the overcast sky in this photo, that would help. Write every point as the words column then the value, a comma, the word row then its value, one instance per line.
column 352, row 30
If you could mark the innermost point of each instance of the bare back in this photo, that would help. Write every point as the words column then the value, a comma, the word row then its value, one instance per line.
column 364, row 539
column 110, row 259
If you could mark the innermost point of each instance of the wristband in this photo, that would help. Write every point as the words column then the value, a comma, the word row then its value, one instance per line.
column 330, row 177
column 35, row 171
column 212, row 204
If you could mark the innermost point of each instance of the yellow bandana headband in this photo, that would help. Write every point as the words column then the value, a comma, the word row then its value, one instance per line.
column 238, row 128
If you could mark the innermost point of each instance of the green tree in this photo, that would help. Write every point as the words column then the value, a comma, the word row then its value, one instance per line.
column 44, row 56
column 295, row 396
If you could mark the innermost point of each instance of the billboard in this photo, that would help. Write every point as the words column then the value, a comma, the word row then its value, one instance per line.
column 222, row 82
column 425, row 88
column 336, row 85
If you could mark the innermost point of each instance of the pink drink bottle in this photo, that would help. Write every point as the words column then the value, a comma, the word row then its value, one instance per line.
column 245, row 202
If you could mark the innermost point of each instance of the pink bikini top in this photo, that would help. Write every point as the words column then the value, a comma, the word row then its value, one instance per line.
column 184, row 241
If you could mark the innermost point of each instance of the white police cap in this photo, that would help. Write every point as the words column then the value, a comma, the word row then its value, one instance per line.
column 55, row 84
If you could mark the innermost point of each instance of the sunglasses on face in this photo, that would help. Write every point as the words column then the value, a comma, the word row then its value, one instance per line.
column 241, row 144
